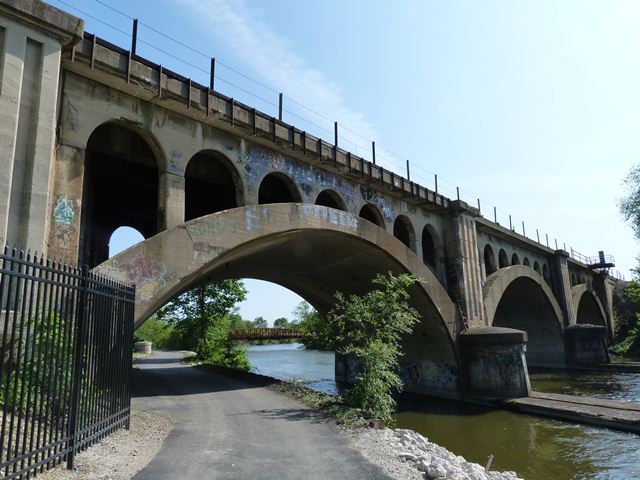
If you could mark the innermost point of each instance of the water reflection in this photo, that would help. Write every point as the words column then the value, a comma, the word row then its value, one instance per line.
column 536, row 448
column 623, row 387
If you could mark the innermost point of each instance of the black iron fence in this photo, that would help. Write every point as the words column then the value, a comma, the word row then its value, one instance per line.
column 65, row 366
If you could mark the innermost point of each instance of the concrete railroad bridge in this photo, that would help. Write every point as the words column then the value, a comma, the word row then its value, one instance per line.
column 93, row 138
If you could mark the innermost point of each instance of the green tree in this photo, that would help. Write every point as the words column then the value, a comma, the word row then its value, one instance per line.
column 315, row 327
column 195, row 312
column 281, row 323
column 630, row 204
column 369, row 328
column 630, row 209
column 260, row 323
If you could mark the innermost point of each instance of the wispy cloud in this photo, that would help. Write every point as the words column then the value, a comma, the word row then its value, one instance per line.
column 274, row 58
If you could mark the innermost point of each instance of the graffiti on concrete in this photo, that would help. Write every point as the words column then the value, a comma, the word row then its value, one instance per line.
column 374, row 197
column 64, row 211
column 430, row 376
column 174, row 162
column 342, row 219
column 259, row 162
column 148, row 274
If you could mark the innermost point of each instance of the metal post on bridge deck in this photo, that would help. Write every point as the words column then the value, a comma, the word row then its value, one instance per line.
column 280, row 106
column 212, row 74
column 134, row 37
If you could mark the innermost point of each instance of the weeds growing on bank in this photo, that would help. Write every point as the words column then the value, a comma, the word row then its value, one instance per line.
column 331, row 405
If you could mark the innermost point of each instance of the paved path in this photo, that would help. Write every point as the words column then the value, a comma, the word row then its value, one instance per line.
column 595, row 411
column 231, row 429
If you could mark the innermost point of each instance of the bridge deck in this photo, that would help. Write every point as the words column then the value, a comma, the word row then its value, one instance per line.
column 265, row 334
column 594, row 411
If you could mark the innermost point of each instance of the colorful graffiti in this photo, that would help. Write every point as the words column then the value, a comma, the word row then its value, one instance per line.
column 149, row 275
column 258, row 162
column 64, row 211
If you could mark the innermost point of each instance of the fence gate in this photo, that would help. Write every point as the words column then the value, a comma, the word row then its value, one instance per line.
column 65, row 366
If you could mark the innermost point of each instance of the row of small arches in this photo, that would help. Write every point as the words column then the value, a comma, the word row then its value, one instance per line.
column 490, row 265
column 122, row 187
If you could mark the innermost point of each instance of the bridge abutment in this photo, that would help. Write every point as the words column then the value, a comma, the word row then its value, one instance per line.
column 494, row 363
column 586, row 344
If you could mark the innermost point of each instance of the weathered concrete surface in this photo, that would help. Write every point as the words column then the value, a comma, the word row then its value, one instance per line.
column 494, row 362
column 518, row 297
column 592, row 411
column 33, row 35
column 586, row 344
column 232, row 429
column 312, row 250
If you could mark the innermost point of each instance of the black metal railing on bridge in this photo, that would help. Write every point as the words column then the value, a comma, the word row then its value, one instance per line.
column 265, row 334
column 66, row 361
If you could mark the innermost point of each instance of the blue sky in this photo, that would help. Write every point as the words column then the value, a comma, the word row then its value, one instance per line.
column 533, row 107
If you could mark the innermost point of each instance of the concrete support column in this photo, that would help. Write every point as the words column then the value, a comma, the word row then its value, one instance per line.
column 14, row 44
column 467, row 275
column 562, row 285
column 494, row 363
column 171, row 201
column 586, row 344
column 604, row 286
column 64, row 234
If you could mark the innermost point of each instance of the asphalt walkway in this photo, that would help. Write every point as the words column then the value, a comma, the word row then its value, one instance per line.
column 231, row 429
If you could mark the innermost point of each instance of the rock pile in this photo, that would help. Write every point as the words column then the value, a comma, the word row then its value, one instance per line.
column 439, row 463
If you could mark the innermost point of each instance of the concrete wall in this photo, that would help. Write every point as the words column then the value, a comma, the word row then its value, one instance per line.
column 32, row 36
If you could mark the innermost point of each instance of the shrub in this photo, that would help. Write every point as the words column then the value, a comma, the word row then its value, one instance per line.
column 369, row 328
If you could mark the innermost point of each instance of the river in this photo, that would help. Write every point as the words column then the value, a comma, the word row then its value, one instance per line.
column 536, row 448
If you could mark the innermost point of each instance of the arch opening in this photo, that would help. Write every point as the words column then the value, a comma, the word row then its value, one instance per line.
column 514, row 259
column 403, row 231
column 372, row 214
column 211, row 185
column 331, row 199
column 428, row 247
column 503, row 261
column 306, row 251
column 122, row 238
column 278, row 188
column 589, row 311
column 526, row 262
column 120, row 187
column 524, row 305
column 489, row 260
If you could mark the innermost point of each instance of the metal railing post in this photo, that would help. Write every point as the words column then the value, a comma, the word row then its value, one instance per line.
column 78, row 366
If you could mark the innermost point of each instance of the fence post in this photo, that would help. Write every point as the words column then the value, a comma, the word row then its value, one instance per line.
column 78, row 362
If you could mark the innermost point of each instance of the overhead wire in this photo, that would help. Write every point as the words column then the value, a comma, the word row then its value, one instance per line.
column 393, row 158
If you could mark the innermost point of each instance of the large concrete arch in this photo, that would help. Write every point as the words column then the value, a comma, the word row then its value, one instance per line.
column 518, row 297
column 312, row 250
column 587, row 306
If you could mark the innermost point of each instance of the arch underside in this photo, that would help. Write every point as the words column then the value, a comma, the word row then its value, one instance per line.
column 313, row 251
column 588, row 308
column 518, row 297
